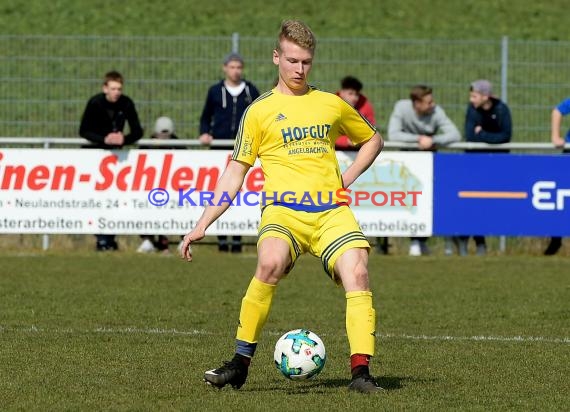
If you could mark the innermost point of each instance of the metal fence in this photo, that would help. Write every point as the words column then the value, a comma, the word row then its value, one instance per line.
column 46, row 80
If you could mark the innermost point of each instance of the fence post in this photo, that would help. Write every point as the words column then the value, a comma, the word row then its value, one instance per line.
column 504, row 97
column 504, row 68
column 45, row 238
column 235, row 42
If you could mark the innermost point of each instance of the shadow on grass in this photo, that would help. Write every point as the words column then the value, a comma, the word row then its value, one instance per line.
column 389, row 383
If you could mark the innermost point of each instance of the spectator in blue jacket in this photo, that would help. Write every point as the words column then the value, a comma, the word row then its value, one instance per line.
column 225, row 104
column 488, row 120
column 563, row 109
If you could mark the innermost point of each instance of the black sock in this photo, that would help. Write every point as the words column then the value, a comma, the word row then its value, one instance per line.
column 360, row 370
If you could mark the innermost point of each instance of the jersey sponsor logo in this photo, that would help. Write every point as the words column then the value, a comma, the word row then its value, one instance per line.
column 291, row 134
column 280, row 117
column 308, row 150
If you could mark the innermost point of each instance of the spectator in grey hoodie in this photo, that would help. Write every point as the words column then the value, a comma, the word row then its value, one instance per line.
column 420, row 120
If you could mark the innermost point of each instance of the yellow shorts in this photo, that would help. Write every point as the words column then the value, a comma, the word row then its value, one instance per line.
column 326, row 235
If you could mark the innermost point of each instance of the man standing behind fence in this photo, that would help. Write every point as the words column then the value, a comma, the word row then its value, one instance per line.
column 103, row 123
column 488, row 120
column 225, row 104
column 419, row 120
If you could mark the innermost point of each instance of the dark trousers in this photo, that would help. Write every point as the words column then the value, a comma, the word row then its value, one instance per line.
column 234, row 245
column 479, row 240
column 106, row 242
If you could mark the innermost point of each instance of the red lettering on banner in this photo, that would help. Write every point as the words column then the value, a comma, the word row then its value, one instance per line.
column 255, row 180
column 38, row 178
column 141, row 171
column 182, row 178
column 114, row 173
column 122, row 184
column 106, row 173
column 212, row 173
column 18, row 172
column 60, row 171
column 163, row 182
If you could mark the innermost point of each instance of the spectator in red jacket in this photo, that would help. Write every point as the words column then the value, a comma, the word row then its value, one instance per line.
column 350, row 91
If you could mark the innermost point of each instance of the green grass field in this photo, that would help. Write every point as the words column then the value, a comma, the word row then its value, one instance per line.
column 410, row 19
column 121, row 331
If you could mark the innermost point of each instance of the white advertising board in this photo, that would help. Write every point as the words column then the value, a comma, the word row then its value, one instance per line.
column 78, row 191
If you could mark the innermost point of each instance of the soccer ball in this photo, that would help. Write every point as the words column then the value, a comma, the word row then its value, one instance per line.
column 300, row 354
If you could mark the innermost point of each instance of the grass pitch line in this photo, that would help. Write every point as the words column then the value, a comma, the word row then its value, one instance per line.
column 201, row 332
column 476, row 338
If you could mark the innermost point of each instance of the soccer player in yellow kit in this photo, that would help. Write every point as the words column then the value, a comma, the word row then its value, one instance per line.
column 292, row 130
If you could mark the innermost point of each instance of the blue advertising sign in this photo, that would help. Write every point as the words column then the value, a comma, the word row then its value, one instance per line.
column 501, row 194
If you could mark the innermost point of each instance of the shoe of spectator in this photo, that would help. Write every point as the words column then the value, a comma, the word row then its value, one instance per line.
column 223, row 248
column 553, row 247
column 146, row 247
column 415, row 249
column 103, row 245
column 462, row 246
column 424, row 248
column 451, row 245
column 481, row 250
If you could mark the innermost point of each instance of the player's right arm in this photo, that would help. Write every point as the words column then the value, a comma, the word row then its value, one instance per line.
column 228, row 186
column 555, row 124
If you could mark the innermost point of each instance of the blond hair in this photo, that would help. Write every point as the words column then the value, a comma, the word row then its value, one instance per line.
column 297, row 32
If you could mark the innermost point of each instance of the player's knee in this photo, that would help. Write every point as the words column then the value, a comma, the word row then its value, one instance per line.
column 360, row 275
column 271, row 268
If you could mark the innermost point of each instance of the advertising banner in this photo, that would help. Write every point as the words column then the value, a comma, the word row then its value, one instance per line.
column 161, row 191
column 502, row 194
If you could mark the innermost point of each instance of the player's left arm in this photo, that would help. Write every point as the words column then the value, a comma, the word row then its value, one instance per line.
column 366, row 155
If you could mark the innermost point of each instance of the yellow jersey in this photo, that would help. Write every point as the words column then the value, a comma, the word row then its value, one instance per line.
column 294, row 138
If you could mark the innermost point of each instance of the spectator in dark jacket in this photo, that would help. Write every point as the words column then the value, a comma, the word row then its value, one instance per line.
column 225, row 104
column 103, row 123
column 106, row 113
column 488, row 120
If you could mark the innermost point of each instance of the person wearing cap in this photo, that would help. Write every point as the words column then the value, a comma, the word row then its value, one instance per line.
column 163, row 130
column 563, row 109
column 421, row 121
column 488, row 120
column 225, row 104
